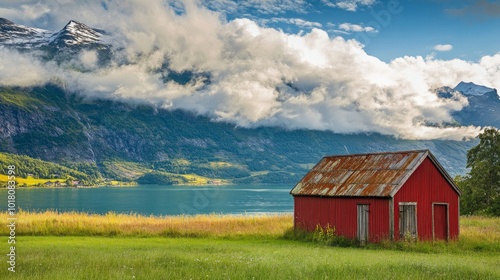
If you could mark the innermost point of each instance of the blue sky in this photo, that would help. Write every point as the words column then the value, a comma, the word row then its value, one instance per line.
column 388, row 29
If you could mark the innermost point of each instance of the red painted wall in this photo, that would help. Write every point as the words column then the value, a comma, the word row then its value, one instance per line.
column 426, row 186
column 341, row 213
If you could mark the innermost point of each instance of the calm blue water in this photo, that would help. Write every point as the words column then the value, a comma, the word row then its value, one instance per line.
column 158, row 199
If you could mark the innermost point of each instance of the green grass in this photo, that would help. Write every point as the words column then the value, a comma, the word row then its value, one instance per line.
column 123, row 169
column 211, row 258
column 53, row 245
column 19, row 99
column 29, row 181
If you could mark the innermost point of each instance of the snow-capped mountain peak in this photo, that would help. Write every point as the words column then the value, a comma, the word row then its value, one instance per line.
column 472, row 89
column 483, row 108
column 75, row 33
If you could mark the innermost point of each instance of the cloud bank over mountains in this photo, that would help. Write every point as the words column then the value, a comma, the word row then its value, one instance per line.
column 248, row 74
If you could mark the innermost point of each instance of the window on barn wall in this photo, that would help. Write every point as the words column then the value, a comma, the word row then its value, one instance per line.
column 408, row 220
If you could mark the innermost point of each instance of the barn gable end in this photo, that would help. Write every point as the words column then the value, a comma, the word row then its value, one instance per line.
column 429, row 189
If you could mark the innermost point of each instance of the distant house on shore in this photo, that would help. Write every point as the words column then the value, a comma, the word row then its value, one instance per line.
column 48, row 184
column 372, row 197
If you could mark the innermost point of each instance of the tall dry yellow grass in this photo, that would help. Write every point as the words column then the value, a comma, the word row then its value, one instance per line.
column 472, row 228
column 480, row 228
column 111, row 224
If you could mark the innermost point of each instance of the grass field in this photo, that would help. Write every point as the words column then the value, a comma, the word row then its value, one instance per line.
column 30, row 181
column 71, row 246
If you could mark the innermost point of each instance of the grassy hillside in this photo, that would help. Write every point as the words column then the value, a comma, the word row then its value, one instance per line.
column 233, row 247
column 36, row 172
column 164, row 173
column 31, row 172
column 19, row 99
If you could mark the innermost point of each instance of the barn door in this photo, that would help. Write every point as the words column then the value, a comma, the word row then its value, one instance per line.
column 408, row 221
column 363, row 210
column 440, row 221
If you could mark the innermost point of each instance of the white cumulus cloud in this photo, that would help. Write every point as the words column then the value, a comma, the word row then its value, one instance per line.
column 296, row 21
column 443, row 48
column 351, row 27
column 348, row 5
column 22, row 69
column 261, row 6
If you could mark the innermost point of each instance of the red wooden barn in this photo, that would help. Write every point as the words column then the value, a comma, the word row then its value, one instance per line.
column 371, row 197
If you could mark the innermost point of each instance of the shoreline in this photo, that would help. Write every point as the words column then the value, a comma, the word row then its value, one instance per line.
column 124, row 186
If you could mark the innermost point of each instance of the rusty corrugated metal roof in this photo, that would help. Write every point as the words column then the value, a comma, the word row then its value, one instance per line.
column 368, row 175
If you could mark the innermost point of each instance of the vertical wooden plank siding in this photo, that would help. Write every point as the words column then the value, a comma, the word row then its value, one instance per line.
column 408, row 220
column 391, row 218
column 341, row 213
column 427, row 186
column 363, row 223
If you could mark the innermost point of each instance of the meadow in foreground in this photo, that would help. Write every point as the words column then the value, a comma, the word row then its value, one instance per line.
column 233, row 247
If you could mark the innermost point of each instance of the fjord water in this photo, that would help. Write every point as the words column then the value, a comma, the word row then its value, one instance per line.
column 157, row 199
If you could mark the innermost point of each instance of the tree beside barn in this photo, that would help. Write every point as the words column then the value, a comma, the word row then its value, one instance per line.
column 481, row 186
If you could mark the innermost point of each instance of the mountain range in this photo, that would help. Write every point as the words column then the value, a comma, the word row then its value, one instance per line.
column 140, row 142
